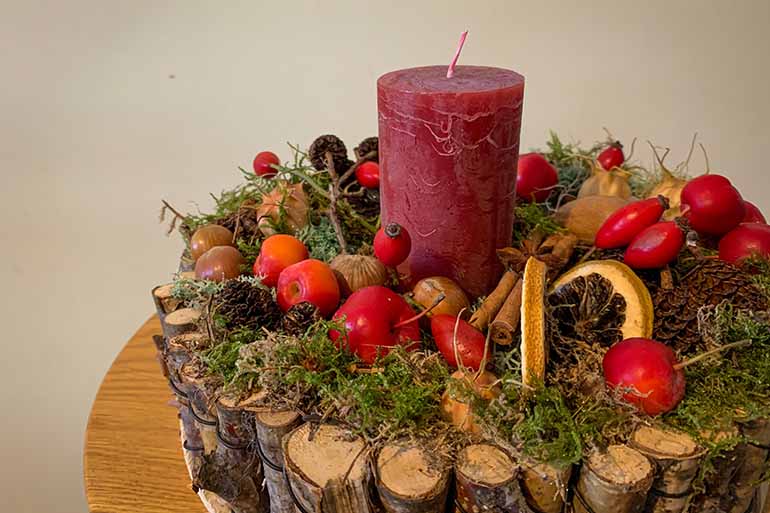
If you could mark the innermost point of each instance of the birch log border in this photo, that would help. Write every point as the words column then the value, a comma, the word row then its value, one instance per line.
column 271, row 427
column 328, row 469
column 545, row 486
column 616, row 480
column 677, row 458
column 486, row 479
column 410, row 479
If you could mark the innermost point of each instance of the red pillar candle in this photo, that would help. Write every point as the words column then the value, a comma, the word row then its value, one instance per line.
column 448, row 152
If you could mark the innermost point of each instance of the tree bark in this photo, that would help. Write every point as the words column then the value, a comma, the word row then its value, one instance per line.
column 199, row 389
column 487, row 480
column 545, row 487
column 754, row 463
column 165, row 303
column 716, row 497
column 411, row 479
column 613, row 481
column 234, row 470
column 677, row 458
column 181, row 321
column 181, row 349
column 328, row 469
column 271, row 427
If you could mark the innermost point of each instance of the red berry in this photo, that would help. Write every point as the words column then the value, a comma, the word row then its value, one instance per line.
column 753, row 214
column 712, row 205
column 263, row 163
column 627, row 222
column 368, row 174
column 745, row 241
column 612, row 156
column 392, row 244
column 655, row 246
column 535, row 178
column 645, row 371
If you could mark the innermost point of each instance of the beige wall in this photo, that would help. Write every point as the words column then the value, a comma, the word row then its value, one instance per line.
column 93, row 132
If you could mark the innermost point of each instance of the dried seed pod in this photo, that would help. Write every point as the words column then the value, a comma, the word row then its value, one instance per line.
column 358, row 271
column 585, row 215
column 606, row 183
column 331, row 144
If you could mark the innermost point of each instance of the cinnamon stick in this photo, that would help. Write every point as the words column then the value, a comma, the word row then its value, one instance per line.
column 507, row 319
column 494, row 301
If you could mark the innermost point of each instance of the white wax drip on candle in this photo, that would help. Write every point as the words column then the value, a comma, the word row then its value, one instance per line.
column 451, row 71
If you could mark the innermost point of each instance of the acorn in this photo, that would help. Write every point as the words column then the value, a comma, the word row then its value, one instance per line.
column 358, row 271
column 427, row 291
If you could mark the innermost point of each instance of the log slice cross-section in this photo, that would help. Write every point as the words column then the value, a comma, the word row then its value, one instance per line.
column 411, row 479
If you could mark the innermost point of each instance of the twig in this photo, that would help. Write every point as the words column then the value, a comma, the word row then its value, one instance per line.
column 702, row 356
column 334, row 191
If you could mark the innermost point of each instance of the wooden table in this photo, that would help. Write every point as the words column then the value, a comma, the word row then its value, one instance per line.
column 133, row 458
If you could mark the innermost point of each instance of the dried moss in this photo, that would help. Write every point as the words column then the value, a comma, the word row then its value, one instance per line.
column 320, row 239
column 531, row 217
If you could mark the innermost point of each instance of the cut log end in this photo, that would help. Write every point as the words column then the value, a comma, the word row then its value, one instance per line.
column 277, row 419
column 486, row 465
column 328, row 469
column 621, row 465
column 544, row 487
column 664, row 443
column 487, row 480
column 179, row 322
column 613, row 481
column 411, row 479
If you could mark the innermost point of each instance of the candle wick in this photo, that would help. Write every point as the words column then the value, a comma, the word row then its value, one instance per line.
column 451, row 71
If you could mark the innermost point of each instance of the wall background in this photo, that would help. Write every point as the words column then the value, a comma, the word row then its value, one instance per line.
column 94, row 132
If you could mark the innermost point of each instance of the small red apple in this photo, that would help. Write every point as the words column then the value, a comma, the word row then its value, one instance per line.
column 470, row 341
column 276, row 254
column 312, row 281
column 375, row 319
column 647, row 372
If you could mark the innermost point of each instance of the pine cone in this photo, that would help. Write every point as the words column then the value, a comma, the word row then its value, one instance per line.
column 366, row 202
column 709, row 283
column 367, row 146
column 243, row 304
column 300, row 317
column 334, row 145
column 245, row 220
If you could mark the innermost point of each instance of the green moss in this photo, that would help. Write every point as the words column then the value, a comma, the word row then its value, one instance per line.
column 531, row 217
column 320, row 240
column 727, row 388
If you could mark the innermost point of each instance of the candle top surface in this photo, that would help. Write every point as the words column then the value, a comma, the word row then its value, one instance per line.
column 432, row 79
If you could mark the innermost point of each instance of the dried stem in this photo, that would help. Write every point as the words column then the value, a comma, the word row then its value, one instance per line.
column 334, row 194
column 702, row 356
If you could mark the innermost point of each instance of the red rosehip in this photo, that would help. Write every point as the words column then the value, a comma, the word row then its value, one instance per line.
column 263, row 163
column 392, row 244
column 612, row 156
column 656, row 246
column 627, row 222
column 368, row 174
column 753, row 214
column 745, row 241
column 712, row 205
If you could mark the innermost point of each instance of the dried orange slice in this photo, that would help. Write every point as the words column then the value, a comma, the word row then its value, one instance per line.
column 533, row 343
column 601, row 302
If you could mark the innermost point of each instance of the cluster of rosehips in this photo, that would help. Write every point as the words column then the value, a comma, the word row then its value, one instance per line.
column 710, row 206
column 367, row 173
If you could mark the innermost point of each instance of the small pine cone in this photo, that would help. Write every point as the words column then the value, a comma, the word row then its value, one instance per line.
column 244, row 304
column 368, row 145
column 366, row 202
column 710, row 283
column 334, row 145
column 300, row 317
column 244, row 222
